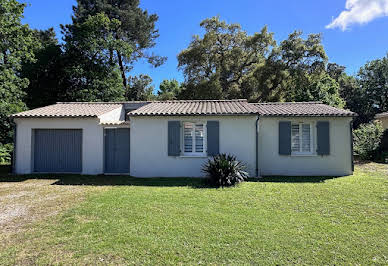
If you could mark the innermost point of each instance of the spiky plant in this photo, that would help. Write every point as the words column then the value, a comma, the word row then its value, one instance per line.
column 224, row 170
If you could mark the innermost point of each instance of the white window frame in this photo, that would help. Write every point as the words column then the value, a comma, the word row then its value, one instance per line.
column 300, row 152
column 194, row 154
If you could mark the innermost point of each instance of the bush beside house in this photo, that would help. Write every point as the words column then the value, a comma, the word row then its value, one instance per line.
column 367, row 140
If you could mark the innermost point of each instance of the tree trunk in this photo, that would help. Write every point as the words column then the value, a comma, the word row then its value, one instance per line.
column 122, row 70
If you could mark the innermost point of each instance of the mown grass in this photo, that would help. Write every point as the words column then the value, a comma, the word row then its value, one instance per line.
column 169, row 221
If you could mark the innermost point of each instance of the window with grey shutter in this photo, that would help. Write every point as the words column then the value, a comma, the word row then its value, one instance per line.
column 213, row 138
column 174, row 140
column 284, row 137
column 323, row 138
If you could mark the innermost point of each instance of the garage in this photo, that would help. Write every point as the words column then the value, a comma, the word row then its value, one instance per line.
column 57, row 150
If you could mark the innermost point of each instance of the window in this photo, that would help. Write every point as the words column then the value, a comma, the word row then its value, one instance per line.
column 301, row 138
column 193, row 138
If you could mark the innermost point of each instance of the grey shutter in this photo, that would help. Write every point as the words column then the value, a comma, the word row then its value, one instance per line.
column 174, row 138
column 213, row 138
column 323, row 135
column 284, row 137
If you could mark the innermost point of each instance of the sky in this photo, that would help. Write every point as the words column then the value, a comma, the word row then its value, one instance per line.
column 354, row 31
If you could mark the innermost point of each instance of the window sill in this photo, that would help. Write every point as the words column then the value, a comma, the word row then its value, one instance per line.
column 194, row 156
column 303, row 155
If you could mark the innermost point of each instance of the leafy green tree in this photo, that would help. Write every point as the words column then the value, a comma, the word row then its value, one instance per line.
column 373, row 79
column 16, row 43
column 228, row 63
column 217, row 64
column 45, row 74
column 90, row 74
column 140, row 88
column 169, row 90
column 132, row 34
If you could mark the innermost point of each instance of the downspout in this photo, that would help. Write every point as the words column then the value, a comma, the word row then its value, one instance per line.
column 13, row 158
column 351, row 144
column 257, row 146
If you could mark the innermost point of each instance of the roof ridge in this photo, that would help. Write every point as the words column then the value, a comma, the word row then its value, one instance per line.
column 284, row 103
column 190, row 101
column 118, row 102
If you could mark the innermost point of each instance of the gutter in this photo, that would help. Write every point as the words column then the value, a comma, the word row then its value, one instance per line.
column 257, row 145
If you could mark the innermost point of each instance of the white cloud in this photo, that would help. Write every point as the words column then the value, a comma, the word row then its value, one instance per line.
column 359, row 12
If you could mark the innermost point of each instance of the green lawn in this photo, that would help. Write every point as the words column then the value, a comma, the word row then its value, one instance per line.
column 178, row 221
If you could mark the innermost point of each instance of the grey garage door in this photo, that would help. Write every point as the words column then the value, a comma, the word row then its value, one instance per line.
column 58, row 150
column 117, row 150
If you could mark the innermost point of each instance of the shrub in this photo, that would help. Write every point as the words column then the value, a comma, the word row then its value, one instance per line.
column 224, row 170
column 5, row 153
column 367, row 139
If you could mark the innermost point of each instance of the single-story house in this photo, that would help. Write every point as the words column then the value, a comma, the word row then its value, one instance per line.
column 383, row 117
column 175, row 138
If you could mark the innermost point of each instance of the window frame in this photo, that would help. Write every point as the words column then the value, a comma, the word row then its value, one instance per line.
column 194, row 153
column 312, row 134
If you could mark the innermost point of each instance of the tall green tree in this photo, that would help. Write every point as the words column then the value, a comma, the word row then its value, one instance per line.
column 140, row 88
column 228, row 63
column 45, row 74
column 16, row 43
column 90, row 73
column 169, row 90
column 134, row 30
column 216, row 64
column 373, row 79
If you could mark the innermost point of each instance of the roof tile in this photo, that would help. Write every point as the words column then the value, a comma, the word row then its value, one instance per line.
column 196, row 107
column 70, row 110
column 300, row 109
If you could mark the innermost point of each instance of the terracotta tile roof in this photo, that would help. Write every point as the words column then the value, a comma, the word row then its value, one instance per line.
column 385, row 114
column 70, row 110
column 300, row 109
column 195, row 107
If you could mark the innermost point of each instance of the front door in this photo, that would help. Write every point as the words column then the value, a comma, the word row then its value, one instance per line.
column 117, row 150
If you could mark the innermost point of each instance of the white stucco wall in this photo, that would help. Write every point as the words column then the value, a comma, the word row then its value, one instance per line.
column 92, row 141
column 114, row 115
column 338, row 163
column 149, row 146
column 384, row 121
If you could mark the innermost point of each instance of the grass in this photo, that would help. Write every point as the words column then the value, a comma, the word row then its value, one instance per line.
column 122, row 220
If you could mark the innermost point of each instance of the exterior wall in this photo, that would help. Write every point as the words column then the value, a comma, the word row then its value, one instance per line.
column 384, row 121
column 338, row 163
column 92, row 141
column 149, row 145
column 114, row 115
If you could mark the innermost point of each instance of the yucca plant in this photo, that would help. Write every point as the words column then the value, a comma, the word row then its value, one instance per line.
column 225, row 170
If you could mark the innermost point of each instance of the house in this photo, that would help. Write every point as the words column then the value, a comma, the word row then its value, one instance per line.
column 175, row 138
column 383, row 117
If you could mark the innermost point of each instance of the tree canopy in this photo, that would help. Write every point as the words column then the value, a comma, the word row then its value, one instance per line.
column 16, row 45
column 229, row 63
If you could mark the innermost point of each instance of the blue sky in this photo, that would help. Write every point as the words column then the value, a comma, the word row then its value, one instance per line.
column 354, row 31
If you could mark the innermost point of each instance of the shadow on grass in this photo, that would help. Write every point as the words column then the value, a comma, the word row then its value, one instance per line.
column 106, row 180
column 296, row 179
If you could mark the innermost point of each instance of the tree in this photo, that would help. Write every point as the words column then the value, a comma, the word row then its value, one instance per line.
column 90, row 74
column 46, row 73
column 16, row 43
column 169, row 90
column 140, row 88
column 373, row 79
column 133, row 28
column 217, row 64
column 228, row 63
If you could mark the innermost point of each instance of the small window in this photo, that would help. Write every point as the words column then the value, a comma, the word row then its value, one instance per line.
column 301, row 138
column 193, row 138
